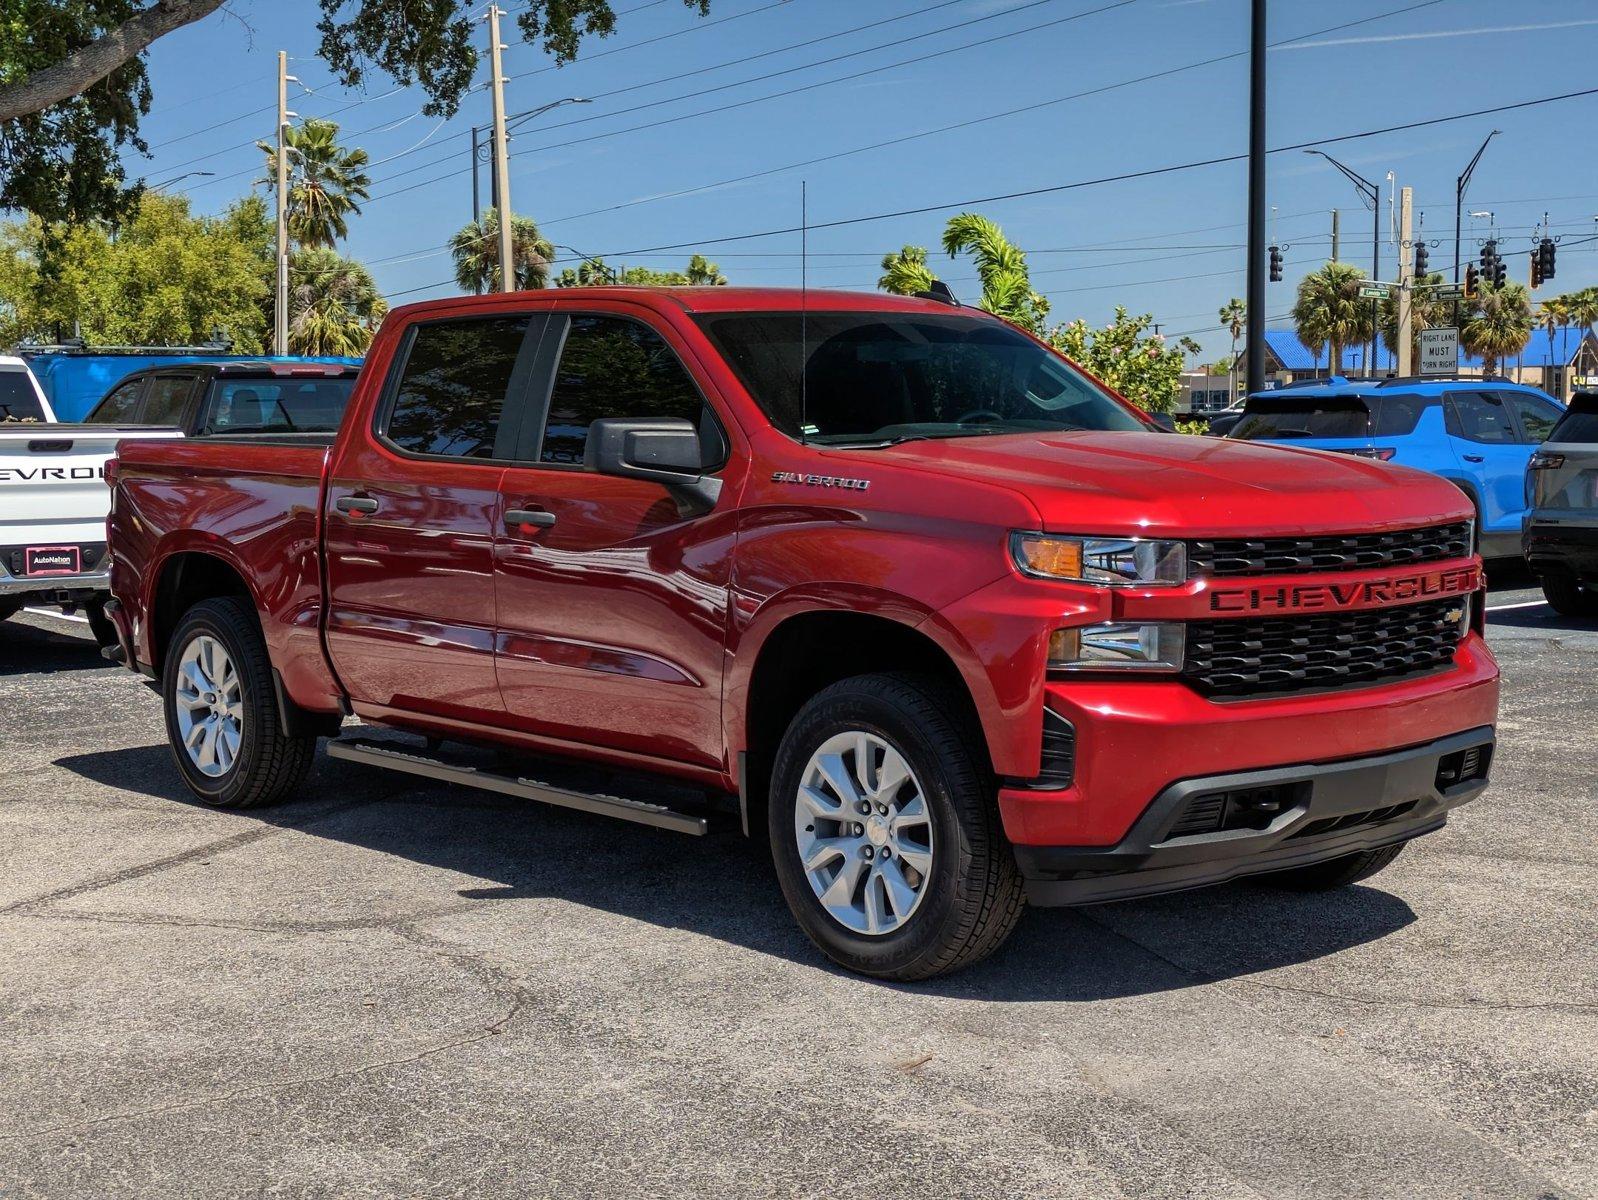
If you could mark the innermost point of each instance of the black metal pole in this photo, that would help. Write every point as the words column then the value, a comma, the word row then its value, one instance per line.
column 1256, row 200
column 477, row 207
column 1459, row 204
column 1376, row 271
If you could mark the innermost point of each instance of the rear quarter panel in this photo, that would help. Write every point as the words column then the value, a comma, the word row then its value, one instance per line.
column 255, row 507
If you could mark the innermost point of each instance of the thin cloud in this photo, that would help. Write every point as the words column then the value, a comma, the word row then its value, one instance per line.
column 1436, row 33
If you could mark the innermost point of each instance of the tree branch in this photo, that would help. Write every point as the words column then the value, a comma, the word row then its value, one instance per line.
column 85, row 67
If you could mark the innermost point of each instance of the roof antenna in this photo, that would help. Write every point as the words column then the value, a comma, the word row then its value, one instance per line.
column 804, row 310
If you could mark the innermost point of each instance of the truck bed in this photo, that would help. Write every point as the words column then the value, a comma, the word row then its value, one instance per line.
column 251, row 501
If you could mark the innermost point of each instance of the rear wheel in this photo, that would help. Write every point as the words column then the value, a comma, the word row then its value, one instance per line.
column 1334, row 873
column 1568, row 598
column 9, row 608
column 222, row 718
column 105, row 633
column 885, row 833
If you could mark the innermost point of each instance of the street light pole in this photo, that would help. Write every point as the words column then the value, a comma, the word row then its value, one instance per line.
column 1255, row 288
column 1372, row 193
column 507, row 271
column 280, row 307
column 158, row 188
column 482, row 151
column 1460, row 185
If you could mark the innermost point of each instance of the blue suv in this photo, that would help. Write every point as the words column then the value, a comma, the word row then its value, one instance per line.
column 1476, row 433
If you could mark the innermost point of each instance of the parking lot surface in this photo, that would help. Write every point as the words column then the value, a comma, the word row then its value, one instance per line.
column 391, row 987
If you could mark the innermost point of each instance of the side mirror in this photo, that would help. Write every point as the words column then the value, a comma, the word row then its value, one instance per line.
column 666, row 450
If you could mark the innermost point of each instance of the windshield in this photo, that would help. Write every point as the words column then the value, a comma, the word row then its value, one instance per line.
column 873, row 378
column 18, row 402
column 277, row 405
column 1387, row 415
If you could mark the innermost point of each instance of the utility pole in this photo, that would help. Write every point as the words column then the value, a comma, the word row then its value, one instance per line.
column 1256, row 199
column 280, row 308
column 507, row 270
column 1406, row 275
column 1334, row 234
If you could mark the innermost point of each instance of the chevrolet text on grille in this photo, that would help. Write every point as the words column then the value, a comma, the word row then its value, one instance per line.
column 1459, row 581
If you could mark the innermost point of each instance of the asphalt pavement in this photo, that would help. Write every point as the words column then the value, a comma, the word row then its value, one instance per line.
column 391, row 988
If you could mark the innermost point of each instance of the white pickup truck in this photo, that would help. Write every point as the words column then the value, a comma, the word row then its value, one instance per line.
column 53, row 502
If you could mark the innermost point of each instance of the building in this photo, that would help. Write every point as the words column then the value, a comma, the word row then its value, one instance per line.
column 1205, row 391
column 1559, row 364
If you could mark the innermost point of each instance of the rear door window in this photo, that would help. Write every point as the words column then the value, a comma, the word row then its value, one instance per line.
column 18, row 401
column 1305, row 417
column 121, row 405
column 1537, row 417
column 1481, row 417
column 451, row 395
column 166, row 398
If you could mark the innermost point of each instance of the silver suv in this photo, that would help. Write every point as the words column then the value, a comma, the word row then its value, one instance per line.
column 1561, row 531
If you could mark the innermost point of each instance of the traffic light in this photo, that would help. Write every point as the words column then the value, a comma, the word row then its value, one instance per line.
column 1545, row 258
column 1500, row 272
column 1276, row 264
column 1420, row 258
column 1536, row 269
column 1489, row 251
column 1470, row 282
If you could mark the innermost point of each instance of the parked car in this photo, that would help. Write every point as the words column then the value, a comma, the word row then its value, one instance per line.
column 77, row 377
column 1561, row 541
column 206, row 398
column 1221, row 423
column 900, row 588
column 1478, row 434
column 53, row 502
column 21, row 397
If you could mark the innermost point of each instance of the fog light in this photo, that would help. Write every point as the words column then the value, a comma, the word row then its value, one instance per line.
column 1156, row 646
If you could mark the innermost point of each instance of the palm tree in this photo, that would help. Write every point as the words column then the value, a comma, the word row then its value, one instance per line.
column 1425, row 312
column 1234, row 315
column 1329, row 311
column 704, row 273
column 325, row 182
column 906, row 273
column 1001, row 266
column 1499, row 326
column 334, row 307
column 1553, row 314
column 1581, row 307
column 476, row 252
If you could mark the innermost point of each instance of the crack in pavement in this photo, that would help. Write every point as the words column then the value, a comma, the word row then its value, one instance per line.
column 332, row 925
column 1319, row 1046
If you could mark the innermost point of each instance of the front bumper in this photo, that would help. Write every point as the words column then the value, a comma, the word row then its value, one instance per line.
column 1330, row 809
column 1552, row 548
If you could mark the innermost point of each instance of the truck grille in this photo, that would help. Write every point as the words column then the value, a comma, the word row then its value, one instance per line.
column 1284, row 654
column 1341, row 552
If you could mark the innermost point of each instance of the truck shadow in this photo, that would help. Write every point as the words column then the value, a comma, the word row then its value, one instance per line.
column 722, row 886
column 30, row 650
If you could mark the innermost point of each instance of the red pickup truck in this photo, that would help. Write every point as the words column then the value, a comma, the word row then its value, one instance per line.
column 938, row 614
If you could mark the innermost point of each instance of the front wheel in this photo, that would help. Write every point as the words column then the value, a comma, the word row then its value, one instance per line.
column 885, row 833
column 222, row 719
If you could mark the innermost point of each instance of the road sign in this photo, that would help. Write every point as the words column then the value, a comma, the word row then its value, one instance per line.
column 1373, row 292
column 1439, row 351
column 1449, row 293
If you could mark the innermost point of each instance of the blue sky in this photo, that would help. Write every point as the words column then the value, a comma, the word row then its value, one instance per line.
column 1170, row 244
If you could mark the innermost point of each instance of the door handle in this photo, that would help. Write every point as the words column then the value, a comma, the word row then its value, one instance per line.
column 516, row 518
column 1476, row 458
column 363, row 506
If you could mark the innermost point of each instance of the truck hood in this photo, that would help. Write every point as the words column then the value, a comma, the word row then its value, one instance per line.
column 1159, row 484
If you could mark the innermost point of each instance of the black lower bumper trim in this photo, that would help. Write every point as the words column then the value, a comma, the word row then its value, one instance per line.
column 1325, row 821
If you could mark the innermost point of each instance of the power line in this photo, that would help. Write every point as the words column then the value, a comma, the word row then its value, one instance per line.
column 695, row 28
column 745, row 103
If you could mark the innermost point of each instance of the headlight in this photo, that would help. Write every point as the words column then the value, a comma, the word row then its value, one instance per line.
column 1157, row 646
column 1113, row 562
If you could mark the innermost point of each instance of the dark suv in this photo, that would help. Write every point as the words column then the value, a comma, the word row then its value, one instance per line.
column 1561, row 540
column 232, row 398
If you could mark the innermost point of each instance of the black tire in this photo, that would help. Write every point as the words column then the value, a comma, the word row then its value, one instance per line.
column 973, row 890
column 269, row 764
column 1568, row 598
column 9, row 609
column 105, row 633
column 1334, row 873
